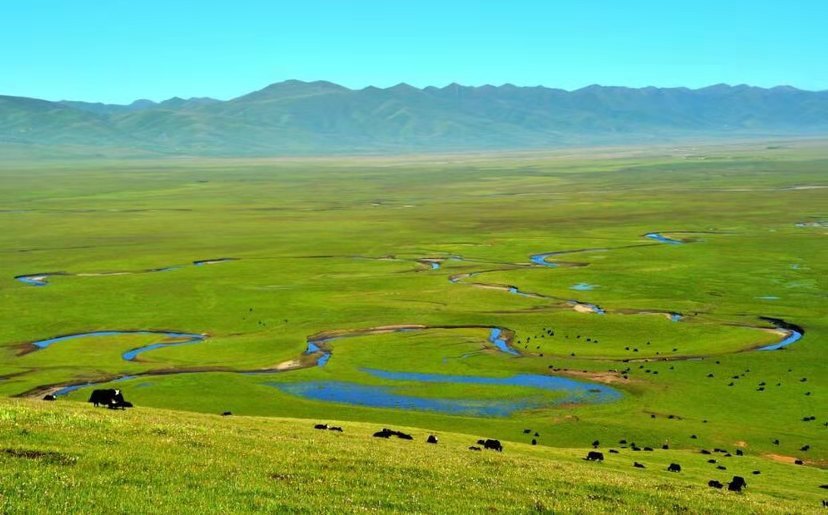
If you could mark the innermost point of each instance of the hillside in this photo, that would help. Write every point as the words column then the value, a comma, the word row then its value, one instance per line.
column 71, row 457
column 294, row 118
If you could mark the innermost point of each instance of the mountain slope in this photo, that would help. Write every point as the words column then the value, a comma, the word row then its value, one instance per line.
column 295, row 117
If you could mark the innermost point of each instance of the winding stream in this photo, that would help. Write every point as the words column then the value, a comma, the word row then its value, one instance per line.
column 130, row 355
column 318, row 352
column 42, row 278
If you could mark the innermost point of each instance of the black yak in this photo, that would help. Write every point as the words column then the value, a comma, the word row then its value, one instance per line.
column 494, row 445
column 106, row 397
column 595, row 456
column 736, row 484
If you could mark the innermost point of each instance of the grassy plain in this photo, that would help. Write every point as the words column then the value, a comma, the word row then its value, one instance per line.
column 331, row 244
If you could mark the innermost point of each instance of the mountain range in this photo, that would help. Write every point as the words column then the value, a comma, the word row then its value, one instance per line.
column 313, row 118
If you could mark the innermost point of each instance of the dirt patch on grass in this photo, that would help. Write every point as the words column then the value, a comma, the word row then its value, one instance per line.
column 53, row 457
column 581, row 308
column 598, row 377
column 780, row 458
column 289, row 365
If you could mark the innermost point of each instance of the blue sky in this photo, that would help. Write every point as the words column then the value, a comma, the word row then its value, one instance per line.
column 120, row 50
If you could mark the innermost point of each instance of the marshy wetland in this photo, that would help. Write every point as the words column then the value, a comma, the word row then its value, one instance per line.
column 647, row 296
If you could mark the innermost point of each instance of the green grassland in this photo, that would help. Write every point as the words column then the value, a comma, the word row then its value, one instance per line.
column 73, row 458
column 337, row 244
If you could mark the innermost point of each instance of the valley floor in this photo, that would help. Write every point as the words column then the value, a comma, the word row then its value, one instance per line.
column 673, row 296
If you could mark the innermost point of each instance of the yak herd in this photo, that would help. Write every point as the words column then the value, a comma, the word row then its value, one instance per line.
column 736, row 484
column 114, row 399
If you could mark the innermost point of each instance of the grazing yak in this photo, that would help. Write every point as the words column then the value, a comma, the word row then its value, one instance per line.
column 494, row 445
column 736, row 484
column 322, row 427
column 674, row 467
column 226, row 413
column 338, row 429
column 595, row 456
column 638, row 465
column 431, row 439
column 106, row 397
column 49, row 397
column 387, row 433
column 715, row 484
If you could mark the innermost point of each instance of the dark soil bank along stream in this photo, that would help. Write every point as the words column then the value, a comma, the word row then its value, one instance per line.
column 795, row 333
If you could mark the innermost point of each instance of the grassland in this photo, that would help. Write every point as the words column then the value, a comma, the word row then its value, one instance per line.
column 73, row 458
column 338, row 244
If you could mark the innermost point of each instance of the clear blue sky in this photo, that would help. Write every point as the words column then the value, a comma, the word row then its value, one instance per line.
column 120, row 50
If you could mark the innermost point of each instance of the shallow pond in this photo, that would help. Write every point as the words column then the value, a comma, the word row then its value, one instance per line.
column 379, row 396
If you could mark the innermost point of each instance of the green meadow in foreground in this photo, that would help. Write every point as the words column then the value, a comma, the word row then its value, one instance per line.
column 397, row 271
column 73, row 458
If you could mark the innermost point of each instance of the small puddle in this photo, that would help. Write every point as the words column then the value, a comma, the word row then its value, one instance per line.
column 496, row 338
column 583, row 287
column 662, row 239
column 540, row 259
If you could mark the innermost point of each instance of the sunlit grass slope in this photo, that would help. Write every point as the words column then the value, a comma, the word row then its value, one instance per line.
column 67, row 457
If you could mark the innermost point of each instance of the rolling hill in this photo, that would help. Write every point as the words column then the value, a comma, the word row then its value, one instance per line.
column 68, row 457
column 296, row 118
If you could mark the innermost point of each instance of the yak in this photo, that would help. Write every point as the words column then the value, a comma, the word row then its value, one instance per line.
column 736, row 484
column 111, row 398
column 594, row 456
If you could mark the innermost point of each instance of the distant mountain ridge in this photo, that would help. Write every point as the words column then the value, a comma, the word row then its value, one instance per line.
column 301, row 118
